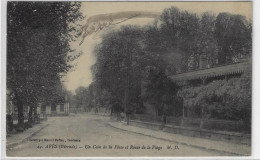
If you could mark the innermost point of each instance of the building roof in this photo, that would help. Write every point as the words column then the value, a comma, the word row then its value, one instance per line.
column 236, row 68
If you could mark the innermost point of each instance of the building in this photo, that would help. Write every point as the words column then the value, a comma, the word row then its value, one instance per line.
column 55, row 109
column 205, row 75
column 62, row 108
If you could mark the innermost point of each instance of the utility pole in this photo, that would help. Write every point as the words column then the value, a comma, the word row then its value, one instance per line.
column 128, row 79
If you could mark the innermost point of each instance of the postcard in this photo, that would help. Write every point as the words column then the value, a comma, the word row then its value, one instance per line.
column 128, row 79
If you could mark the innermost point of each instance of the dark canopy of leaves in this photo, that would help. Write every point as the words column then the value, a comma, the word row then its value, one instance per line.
column 38, row 36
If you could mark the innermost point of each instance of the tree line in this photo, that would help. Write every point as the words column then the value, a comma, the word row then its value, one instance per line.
column 38, row 37
column 133, row 63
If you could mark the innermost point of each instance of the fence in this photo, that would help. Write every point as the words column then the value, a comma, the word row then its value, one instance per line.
column 175, row 121
column 226, row 125
column 206, row 128
column 208, row 124
column 146, row 118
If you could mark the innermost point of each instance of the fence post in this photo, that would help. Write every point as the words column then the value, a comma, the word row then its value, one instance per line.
column 201, row 123
column 182, row 122
column 164, row 120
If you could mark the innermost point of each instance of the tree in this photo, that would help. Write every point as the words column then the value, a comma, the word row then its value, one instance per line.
column 160, row 91
column 180, row 30
column 122, row 58
column 38, row 36
column 157, row 64
column 118, row 68
column 80, row 97
column 233, row 35
column 207, row 44
column 133, row 64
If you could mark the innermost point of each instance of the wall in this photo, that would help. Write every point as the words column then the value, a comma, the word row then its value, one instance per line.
column 48, row 109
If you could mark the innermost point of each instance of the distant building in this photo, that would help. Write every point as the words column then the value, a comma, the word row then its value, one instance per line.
column 55, row 109
column 62, row 108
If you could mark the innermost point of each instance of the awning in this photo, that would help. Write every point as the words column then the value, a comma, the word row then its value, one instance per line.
column 236, row 68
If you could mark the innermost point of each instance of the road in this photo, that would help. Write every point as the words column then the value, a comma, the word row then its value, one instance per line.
column 61, row 139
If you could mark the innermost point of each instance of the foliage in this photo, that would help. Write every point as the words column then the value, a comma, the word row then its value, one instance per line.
column 134, row 63
column 119, row 56
column 180, row 30
column 207, row 44
column 38, row 36
column 226, row 37
column 142, row 48
column 222, row 99
column 159, row 90
column 233, row 35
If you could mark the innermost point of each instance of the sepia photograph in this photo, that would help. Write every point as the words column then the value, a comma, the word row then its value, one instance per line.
column 128, row 79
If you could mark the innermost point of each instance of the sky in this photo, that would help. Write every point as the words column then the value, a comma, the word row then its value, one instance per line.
column 81, row 73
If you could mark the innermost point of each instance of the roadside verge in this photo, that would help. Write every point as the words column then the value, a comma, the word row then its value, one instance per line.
column 220, row 146
column 19, row 138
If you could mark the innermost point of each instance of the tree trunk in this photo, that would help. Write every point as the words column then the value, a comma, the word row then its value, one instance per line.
column 35, row 113
column 30, row 118
column 20, row 113
column 127, row 84
column 35, row 110
column 19, row 104
column 126, row 100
